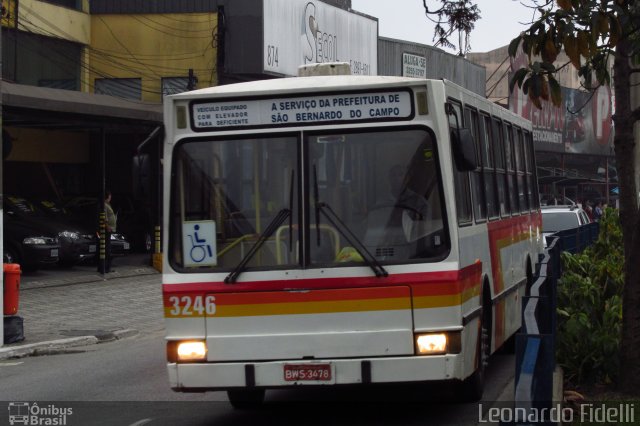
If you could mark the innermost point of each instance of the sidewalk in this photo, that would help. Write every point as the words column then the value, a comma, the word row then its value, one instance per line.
column 63, row 308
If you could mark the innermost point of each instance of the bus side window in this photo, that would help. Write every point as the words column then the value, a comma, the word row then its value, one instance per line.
column 512, row 190
column 488, row 170
column 461, row 179
column 532, row 182
column 477, row 183
column 501, row 176
column 523, row 198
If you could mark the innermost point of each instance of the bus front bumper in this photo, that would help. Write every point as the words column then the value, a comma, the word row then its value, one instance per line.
column 221, row 376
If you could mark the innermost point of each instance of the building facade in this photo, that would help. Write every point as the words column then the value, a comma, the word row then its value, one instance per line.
column 573, row 141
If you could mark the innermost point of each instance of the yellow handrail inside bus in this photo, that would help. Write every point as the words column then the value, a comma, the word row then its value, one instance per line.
column 235, row 243
column 335, row 237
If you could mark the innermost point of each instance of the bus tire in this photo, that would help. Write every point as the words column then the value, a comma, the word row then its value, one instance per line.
column 245, row 399
column 472, row 388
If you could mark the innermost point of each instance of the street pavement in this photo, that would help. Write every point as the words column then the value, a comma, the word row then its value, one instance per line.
column 67, row 307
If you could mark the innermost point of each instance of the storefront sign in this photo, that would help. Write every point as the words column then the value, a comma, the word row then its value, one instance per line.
column 300, row 32
column 414, row 65
column 582, row 123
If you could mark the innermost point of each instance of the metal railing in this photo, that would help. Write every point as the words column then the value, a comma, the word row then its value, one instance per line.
column 536, row 341
column 576, row 240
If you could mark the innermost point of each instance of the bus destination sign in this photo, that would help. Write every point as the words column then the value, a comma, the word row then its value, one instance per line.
column 301, row 110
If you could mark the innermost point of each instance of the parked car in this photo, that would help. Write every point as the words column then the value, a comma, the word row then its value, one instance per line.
column 120, row 246
column 560, row 218
column 76, row 243
column 28, row 244
column 134, row 221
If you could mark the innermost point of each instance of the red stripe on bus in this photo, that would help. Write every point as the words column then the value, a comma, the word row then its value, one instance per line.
column 314, row 283
column 258, row 298
column 422, row 284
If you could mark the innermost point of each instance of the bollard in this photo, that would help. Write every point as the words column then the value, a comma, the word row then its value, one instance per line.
column 157, row 255
column 11, row 292
column 102, row 259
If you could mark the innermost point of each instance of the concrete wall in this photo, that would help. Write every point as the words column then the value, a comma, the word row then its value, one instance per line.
column 440, row 64
column 152, row 46
column 49, row 20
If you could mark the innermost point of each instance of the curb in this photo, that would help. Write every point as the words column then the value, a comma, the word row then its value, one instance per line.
column 60, row 345
column 85, row 279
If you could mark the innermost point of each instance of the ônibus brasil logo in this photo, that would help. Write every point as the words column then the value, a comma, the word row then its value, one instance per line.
column 31, row 414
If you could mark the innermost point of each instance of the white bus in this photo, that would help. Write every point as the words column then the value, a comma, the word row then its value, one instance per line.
column 342, row 230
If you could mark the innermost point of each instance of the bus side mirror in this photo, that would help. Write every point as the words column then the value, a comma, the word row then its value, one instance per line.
column 464, row 149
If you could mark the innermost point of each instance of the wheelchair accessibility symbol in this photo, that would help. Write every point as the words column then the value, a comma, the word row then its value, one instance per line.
column 199, row 243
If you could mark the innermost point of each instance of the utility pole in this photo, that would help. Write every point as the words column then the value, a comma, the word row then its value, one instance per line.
column 193, row 80
column 1, row 192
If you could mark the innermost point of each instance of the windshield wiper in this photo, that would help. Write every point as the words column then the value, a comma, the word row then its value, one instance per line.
column 337, row 223
column 271, row 228
column 334, row 219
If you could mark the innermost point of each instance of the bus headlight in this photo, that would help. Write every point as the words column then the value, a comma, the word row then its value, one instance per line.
column 188, row 351
column 438, row 343
column 431, row 344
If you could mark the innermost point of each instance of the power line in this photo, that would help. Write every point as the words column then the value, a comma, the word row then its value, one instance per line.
column 87, row 66
column 498, row 82
column 496, row 70
column 208, row 30
column 71, row 68
column 49, row 34
column 119, row 64
column 124, row 46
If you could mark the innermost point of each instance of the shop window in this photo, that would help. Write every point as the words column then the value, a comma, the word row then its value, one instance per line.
column 128, row 88
column 173, row 85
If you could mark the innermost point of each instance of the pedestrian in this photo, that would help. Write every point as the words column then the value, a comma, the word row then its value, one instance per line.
column 588, row 210
column 597, row 211
column 110, row 228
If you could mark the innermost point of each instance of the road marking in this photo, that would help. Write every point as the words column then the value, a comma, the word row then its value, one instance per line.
column 141, row 422
column 10, row 364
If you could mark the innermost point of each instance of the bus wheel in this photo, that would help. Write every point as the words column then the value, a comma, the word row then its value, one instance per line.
column 243, row 399
column 472, row 388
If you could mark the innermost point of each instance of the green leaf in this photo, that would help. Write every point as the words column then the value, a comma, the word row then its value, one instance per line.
column 556, row 91
column 518, row 77
column 513, row 46
column 565, row 5
column 571, row 49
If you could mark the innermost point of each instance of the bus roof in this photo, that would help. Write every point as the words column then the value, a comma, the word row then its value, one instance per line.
column 300, row 84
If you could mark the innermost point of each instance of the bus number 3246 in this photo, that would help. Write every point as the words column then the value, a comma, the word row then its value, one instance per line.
column 192, row 305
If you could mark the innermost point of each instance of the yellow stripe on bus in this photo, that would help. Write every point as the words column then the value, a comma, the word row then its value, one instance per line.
column 302, row 308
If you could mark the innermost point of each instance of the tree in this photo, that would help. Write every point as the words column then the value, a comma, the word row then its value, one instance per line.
column 453, row 15
column 591, row 32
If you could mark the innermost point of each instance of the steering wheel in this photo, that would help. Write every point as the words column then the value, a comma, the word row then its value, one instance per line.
column 419, row 215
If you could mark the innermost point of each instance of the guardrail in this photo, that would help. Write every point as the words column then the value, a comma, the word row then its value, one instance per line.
column 536, row 341
column 576, row 240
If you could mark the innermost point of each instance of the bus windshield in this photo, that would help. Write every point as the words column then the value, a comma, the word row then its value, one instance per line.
column 348, row 195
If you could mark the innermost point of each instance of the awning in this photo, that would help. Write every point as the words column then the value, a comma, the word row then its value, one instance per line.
column 32, row 106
